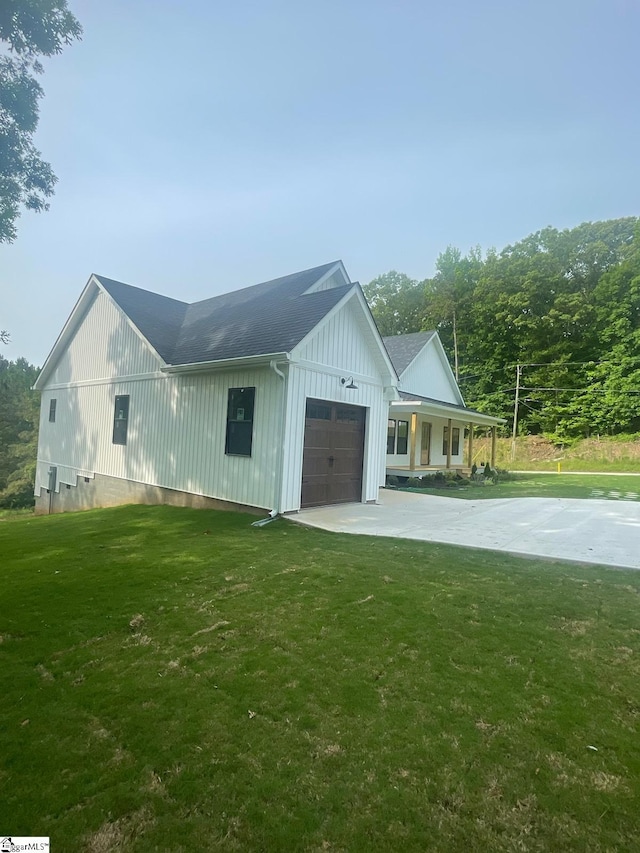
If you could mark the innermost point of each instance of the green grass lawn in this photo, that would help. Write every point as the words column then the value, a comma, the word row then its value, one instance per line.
column 601, row 486
column 176, row 680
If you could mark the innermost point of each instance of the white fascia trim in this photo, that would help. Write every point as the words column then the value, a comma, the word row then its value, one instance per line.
column 337, row 371
column 446, row 412
column 337, row 266
column 107, row 380
column 144, row 340
column 391, row 378
column 227, row 363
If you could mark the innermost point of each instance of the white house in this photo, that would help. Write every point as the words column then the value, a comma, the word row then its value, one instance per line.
column 427, row 424
column 273, row 397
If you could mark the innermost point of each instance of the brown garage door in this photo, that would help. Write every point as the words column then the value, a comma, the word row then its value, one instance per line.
column 333, row 453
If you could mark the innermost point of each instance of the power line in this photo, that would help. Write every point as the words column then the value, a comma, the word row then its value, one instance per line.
column 591, row 390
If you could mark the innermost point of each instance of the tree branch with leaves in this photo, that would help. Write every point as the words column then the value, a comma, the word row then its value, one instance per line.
column 30, row 30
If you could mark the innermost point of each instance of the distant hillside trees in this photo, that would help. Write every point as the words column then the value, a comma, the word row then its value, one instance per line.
column 565, row 304
column 19, row 416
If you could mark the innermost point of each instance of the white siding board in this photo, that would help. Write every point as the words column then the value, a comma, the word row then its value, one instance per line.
column 104, row 345
column 428, row 377
column 343, row 342
column 336, row 279
column 176, row 435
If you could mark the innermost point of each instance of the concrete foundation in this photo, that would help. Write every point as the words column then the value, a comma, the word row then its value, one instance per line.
column 104, row 491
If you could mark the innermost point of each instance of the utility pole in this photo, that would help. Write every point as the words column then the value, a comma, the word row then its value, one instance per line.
column 515, row 412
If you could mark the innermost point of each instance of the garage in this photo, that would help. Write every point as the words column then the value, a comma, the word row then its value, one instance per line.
column 333, row 453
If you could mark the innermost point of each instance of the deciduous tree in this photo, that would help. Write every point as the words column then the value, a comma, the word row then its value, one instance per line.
column 30, row 29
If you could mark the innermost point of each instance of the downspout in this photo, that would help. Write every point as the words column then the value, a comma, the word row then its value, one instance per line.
column 275, row 512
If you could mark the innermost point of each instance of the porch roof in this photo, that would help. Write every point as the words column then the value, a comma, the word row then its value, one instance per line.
column 426, row 405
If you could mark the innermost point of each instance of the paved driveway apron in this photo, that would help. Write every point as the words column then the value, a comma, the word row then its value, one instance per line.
column 591, row 531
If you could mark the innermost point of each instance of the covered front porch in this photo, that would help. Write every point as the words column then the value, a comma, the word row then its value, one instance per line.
column 425, row 436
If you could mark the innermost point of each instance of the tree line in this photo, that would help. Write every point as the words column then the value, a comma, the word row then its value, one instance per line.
column 557, row 313
column 19, row 418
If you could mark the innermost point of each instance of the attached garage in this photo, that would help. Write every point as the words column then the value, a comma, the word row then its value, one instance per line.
column 333, row 453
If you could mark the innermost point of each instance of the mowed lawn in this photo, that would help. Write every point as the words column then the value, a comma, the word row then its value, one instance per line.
column 177, row 680
column 520, row 485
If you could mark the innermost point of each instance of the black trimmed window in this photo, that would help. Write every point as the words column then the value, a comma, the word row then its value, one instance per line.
column 391, row 436
column 240, row 405
column 455, row 441
column 121, row 419
column 52, row 410
column 403, row 437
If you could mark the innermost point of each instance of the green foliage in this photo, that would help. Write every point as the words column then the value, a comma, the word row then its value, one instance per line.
column 396, row 302
column 565, row 304
column 30, row 29
column 19, row 417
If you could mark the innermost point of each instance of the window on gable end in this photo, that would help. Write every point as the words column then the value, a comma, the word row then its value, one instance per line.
column 52, row 410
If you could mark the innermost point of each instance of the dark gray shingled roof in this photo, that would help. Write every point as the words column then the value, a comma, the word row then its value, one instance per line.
column 159, row 318
column 266, row 318
column 403, row 349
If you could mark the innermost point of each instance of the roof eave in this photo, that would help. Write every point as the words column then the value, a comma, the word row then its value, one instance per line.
column 449, row 412
column 227, row 363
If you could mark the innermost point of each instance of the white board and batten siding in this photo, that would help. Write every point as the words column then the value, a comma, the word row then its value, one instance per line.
column 176, row 435
column 340, row 349
column 428, row 376
column 104, row 345
column 177, row 424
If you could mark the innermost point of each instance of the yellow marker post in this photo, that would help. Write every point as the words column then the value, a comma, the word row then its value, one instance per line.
column 559, row 466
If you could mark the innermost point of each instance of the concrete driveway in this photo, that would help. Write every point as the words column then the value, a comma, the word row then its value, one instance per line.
column 588, row 531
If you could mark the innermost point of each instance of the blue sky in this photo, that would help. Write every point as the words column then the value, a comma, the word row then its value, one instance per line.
column 204, row 146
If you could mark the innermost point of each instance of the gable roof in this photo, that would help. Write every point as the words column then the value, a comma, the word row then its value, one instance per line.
column 270, row 317
column 403, row 349
column 159, row 318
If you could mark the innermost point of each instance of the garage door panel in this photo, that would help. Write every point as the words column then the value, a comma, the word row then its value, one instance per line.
column 333, row 453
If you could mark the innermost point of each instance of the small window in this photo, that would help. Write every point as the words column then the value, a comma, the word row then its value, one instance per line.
column 121, row 419
column 403, row 436
column 52, row 410
column 318, row 411
column 455, row 441
column 391, row 436
column 240, row 421
column 349, row 416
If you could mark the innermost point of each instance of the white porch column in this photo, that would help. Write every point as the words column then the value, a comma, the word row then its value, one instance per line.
column 412, row 442
column 449, row 443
